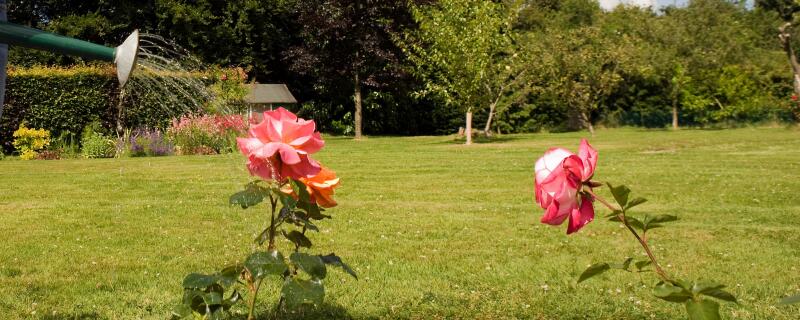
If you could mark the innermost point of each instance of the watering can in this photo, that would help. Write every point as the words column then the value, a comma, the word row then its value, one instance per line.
column 124, row 56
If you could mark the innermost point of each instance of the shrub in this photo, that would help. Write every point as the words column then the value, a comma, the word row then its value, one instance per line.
column 150, row 143
column 65, row 100
column 57, row 99
column 206, row 134
column 95, row 144
column 29, row 142
column 48, row 155
column 66, row 146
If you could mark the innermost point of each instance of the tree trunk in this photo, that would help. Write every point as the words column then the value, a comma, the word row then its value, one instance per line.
column 357, row 98
column 469, row 127
column 785, row 37
column 587, row 122
column 675, row 112
column 3, row 60
column 487, row 130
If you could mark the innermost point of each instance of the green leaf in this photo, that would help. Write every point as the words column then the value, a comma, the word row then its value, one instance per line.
column 652, row 222
column 253, row 194
column 640, row 265
column 636, row 223
column 233, row 299
column 261, row 264
column 230, row 275
column 635, row 202
column 198, row 281
column 614, row 213
column 672, row 293
column 298, row 218
column 193, row 298
column 213, row 298
column 298, row 238
column 661, row 218
column 301, row 191
column 262, row 237
column 721, row 294
column 702, row 286
column 216, row 314
column 593, row 270
column 312, row 265
column 622, row 266
column 620, row 194
column 334, row 260
column 181, row 312
column 287, row 200
column 790, row 300
column 310, row 226
column 304, row 201
column 313, row 210
column 297, row 292
column 702, row 310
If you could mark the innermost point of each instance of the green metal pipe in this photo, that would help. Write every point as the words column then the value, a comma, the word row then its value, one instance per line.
column 124, row 56
column 15, row 34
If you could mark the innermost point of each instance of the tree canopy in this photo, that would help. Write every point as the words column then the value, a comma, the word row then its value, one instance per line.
column 516, row 65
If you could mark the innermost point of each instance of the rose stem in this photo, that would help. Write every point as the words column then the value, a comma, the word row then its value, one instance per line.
column 621, row 215
column 274, row 203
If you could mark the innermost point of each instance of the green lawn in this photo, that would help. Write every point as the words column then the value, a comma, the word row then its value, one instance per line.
column 435, row 229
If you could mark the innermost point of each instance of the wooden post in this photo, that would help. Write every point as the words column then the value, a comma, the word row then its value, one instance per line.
column 469, row 127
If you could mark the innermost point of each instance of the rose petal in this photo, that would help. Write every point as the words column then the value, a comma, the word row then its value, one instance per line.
column 551, row 160
column 581, row 217
column 588, row 156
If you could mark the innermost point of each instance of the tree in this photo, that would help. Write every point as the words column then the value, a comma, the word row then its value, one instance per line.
column 463, row 51
column 786, row 10
column 584, row 66
column 348, row 44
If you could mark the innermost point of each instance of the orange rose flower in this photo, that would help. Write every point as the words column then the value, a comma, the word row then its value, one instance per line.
column 320, row 187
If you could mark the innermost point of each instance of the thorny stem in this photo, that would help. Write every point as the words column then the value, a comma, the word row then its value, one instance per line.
column 274, row 203
column 661, row 274
column 254, row 286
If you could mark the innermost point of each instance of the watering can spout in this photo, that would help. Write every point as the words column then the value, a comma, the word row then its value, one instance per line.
column 123, row 56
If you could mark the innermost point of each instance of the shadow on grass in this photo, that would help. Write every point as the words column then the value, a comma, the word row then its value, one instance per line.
column 73, row 316
column 481, row 140
column 326, row 311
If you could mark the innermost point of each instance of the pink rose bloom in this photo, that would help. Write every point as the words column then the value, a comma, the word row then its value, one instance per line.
column 279, row 147
column 560, row 178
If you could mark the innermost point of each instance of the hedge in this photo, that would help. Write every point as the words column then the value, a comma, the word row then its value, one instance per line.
column 60, row 100
column 65, row 100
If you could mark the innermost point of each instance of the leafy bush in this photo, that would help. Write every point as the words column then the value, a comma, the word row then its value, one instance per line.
column 66, row 146
column 30, row 141
column 65, row 100
column 228, row 91
column 148, row 143
column 57, row 99
column 48, row 155
column 206, row 134
column 95, row 144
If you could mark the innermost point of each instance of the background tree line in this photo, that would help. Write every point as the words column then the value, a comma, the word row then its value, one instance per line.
column 426, row 67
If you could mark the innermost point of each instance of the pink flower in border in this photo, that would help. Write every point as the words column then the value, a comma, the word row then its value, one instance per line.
column 279, row 146
column 560, row 177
